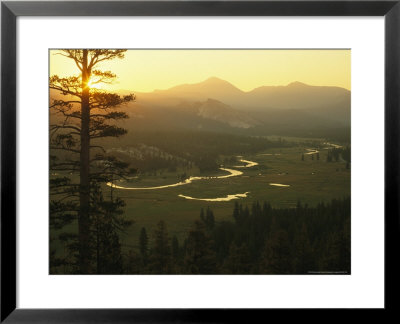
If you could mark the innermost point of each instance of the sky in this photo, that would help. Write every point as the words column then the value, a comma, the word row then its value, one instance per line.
column 148, row 70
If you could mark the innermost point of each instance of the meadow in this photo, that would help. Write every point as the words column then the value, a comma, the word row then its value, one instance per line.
column 310, row 181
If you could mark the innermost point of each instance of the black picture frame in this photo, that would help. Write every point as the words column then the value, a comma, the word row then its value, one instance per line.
column 10, row 10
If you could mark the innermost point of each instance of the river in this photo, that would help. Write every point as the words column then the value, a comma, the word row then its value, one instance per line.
column 232, row 173
column 248, row 165
column 279, row 185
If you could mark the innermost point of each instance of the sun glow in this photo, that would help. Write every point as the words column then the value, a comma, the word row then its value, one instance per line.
column 147, row 70
column 92, row 84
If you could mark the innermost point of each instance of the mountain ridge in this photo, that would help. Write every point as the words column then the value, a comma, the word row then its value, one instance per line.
column 216, row 80
column 329, row 101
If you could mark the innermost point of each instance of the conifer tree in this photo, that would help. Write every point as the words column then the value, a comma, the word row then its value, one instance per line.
column 346, row 246
column 331, row 257
column 133, row 264
column 236, row 211
column 143, row 245
column 303, row 256
column 208, row 219
column 176, row 256
column 80, row 115
column 160, row 258
column 238, row 261
column 199, row 255
column 107, row 216
column 276, row 257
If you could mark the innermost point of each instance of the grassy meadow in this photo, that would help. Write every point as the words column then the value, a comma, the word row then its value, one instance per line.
column 310, row 181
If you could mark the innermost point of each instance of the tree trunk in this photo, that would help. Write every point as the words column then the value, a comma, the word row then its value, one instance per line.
column 84, row 193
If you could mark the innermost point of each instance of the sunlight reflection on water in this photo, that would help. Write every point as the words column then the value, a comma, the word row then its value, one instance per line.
column 279, row 185
column 232, row 173
column 227, row 198
column 248, row 165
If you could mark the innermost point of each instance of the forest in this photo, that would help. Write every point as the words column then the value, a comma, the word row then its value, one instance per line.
column 259, row 239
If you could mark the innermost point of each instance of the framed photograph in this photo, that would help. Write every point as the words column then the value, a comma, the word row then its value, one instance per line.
column 198, row 160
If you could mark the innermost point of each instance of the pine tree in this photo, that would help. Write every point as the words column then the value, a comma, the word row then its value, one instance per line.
column 80, row 114
column 175, row 249
column 208, row 219
column 144, row 246
column 345, row 246
column 107, row 218
column 176, row 255
column 202, row 217
column 331, row 257
column 199, row 255
column 238, row 260
column 276, row 257
column 303, row 256
column 236, row 211
column 133, row 265
column 160, row 258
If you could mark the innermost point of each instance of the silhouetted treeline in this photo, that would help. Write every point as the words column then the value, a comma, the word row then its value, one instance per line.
column 333, row 134
column 259, row 240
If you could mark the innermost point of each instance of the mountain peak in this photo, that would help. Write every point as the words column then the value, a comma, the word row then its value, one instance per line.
column 215, row 84
column 214, row 79
column 297, row 84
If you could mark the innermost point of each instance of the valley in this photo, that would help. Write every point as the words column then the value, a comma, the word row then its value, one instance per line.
column 280, row 177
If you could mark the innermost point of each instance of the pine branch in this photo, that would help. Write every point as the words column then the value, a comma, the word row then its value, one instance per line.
column 57, row 127
column 65, row 91
column 65, row 149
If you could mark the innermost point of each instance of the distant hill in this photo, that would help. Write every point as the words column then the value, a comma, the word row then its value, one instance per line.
column 216, row 104
column 297, row 95
column 329, row 102
column 211, row 88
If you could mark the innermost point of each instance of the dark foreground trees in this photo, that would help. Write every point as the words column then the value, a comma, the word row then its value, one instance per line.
column 258, row 240
column 80, row 115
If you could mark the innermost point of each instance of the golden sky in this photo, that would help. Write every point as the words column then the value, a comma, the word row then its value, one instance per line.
column 147, row 70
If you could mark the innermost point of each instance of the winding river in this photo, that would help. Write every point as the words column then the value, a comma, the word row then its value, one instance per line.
column 333, row 145
column 311, row 151
column 248, row 165
column 232, row 173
